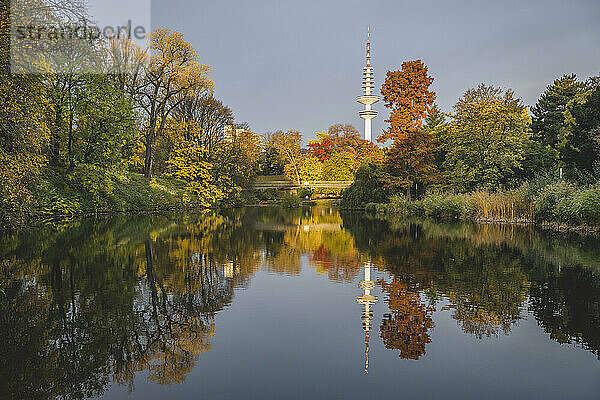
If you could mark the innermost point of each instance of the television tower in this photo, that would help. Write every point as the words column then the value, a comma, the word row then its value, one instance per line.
column 368, row 99
column 367, row 299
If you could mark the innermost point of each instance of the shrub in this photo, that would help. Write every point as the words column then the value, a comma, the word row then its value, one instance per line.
column 398, row 205
column 580, row 207
column 266, row 194
column 95, row 181
column 450, row 207
column 367, row 188
column 371, row 207
column 56, row 205
column 303, row 192
column 289, row 201
column 546, row 203
column 18, row 173
column 240, row 198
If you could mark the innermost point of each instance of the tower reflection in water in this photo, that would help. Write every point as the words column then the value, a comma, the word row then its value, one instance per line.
column 367, row 299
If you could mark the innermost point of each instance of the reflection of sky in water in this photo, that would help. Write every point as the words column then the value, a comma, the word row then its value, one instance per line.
column 302, row 336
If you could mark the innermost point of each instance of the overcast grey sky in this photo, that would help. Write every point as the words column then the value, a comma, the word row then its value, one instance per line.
column 298, row 64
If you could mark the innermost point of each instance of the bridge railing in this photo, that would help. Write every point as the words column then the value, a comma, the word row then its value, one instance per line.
column 308, row 184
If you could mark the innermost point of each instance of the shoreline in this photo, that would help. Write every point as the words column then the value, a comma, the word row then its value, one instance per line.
column 39, row 218
column 584, row 229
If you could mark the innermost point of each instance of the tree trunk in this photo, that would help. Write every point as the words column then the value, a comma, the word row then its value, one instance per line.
column 297, row 174
column 55, row 140
column 71, row 161
column 148, row 157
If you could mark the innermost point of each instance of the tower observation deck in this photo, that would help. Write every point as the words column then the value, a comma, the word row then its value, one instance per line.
column 368, row 98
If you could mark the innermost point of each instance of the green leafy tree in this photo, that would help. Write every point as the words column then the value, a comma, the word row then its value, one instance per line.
column 435, row 120
column 581, row 151
column 367, row 188
column 486, row 139
column 543, row 153
column 106, row 124
column 271, row 162
column 436, row 125
column 548, row 113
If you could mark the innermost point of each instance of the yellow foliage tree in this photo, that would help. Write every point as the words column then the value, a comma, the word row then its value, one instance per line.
column 189, row 164
column 172, row 72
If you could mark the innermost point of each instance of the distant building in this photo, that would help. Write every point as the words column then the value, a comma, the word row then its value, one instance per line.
column 230, row 132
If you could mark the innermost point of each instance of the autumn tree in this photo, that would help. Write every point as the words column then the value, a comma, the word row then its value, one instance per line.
column 486, row 139
column 406, row 93
column 339, row 167
column 201, row 111
column 320, row 149
column 311, row 169
column 199, row 119
column 288, row 145
column 171, row 73
column 191, row 165
column 344, row 136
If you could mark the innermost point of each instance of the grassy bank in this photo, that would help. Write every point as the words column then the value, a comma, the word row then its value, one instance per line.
column 559, row 205
column 56, row 193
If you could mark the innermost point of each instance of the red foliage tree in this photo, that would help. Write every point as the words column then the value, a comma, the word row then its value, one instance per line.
column 406, row 93
column 321, row 149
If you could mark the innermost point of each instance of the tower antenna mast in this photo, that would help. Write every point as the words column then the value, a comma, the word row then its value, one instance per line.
column 368, row 98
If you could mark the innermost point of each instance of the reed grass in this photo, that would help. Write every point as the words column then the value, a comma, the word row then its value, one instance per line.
column 513, row 206
column 557, row 203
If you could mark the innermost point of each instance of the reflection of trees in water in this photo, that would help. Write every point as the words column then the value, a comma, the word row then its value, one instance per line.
column 174, row 328
column 486, row 288
column 106, row 300
column 319, row 235
column 281, row 256
column 487, row 272
column 406, row 327
column 484, row 284
column 567, row 306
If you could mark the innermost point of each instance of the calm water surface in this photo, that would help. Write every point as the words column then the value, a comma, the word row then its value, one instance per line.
column 274, row 304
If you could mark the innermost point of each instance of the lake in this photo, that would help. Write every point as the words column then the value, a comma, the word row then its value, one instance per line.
column 267, row 303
